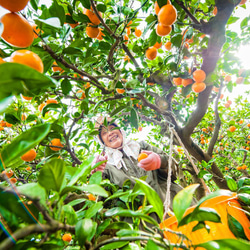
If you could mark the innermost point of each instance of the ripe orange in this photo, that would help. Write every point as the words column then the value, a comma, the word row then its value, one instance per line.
column 100, row 35
column 23, row 117
column 198, row 87
column 239, row 80
column 67, row 237
column 140, row 129
column 215, row 11
column 142, row 156
column 151, row 53
column 240, row 121
column 186, row 82
column 87, row 85
column 91, row 197
column 167, row 14
column 138, row 32
column 244, row 167
column 28, row 58
column 129, row 23
column 3, row 123
column 13, row 180
column 177, row 81
column 228, row 78
column 92, row 32
column 247, row 125
column 230, row 102
column 1, row 60
column 168, row 46
column 17, row 30
column 199, row 75
column 14, row 5
column 8, row 125
column 51, row 101
column 1, row 128
column 27, row 98
column 163, row 30
column 239, row 168
column 83, row 94
column 56, row 142
column 29, row 156
column 126, row 58
column 128, row 31
column 92, row 16
column 56, row 68
column 28, row 168
column 8, row 174
column 157, row 8
column 150, row 84
column 226, row 168
column 158, row 45
column 232, row 128
column 120, row 91
column 41, row 106
column 126, row 38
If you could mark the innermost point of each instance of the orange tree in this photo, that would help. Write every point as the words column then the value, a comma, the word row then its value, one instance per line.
column 108, row 57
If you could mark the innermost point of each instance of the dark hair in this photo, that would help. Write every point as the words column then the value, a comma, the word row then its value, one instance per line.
column 100, row 130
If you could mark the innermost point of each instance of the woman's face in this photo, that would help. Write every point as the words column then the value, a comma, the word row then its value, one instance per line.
column 111, row 137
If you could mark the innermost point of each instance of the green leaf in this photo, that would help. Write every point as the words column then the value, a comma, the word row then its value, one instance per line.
column 115, row 245
column 15, row 204
column 11, row 118
column 244, row 198
column 85, row 106
column 129, row 213
column 183, row 200
column 51, row 106
column 244, row 189
column 152, row 245
column 152, row 197
column 134, row 118
column 85, row 3
column 200, row 214
column 225, row 244
column 66, row 86
column 231, row 183
column 94, row 209
column 5, row 102
column 152, row 38
column 232, row 19
column 85, row 230
column 96, row 178
column 53, row 22
column 52, row 174
column 69, row 215
column 101, row 7
column 116, row 111
column 83, row 170
column 17, row 78
column 57, row 10
column 33, row 190
column 235, row 227
column 162, row 2
column 119, row 225
column 24, row 142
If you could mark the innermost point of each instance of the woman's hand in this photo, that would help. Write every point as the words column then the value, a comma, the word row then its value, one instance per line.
column 97, row 159
column 152, row 162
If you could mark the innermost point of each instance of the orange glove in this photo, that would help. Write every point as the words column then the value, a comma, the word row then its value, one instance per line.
column 152, row 162
column 97, row 159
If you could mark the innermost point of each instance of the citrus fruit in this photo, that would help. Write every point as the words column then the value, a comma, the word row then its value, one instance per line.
column 156, row 7
column 8, row 174
column 177, row 81
column 27, row 98
column 13, row 180
column 138, row 32
column 120, row 91
column 92, row 16
column 28, row 58
column 158, row 45
column 198, row 87
column 17, row 31
column 41, row 106
column 232, row 128
column 167, row 15
column 14, row 5
column 92, row 32
column 163, row 30
column 67, row 237
column 142, row 156
column 51, row 101
column 199, row 75
column 239, row 80
column 91, row 197
column 56, row 142
column 151, row 53
column 168, row 46
column 29, row 156
column 82, row 92
column 186, row 82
